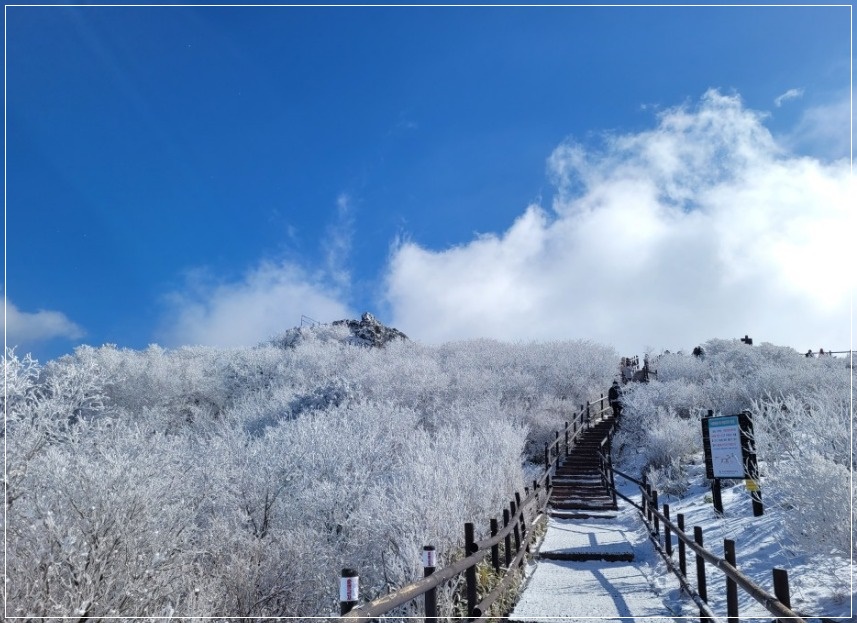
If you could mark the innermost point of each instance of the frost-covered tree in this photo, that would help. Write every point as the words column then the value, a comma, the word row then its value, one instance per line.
column 202, row 482
column 802, row 420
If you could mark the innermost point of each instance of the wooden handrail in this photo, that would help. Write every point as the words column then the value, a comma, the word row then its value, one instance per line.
column 401, row 596
column 771, row 603
column 384, row 604
column 578, row 416
column 768, row 601
column 561, row 439
column 489, row 599
column 501, row 534
column 699, row 601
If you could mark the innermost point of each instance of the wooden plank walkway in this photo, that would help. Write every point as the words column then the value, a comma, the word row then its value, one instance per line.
column 585, row 566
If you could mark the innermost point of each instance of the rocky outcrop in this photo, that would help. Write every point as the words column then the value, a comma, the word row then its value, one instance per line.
column 369, row 331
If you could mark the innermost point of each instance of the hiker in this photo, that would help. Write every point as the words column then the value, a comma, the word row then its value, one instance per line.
column 613, row 398
column 628, row 372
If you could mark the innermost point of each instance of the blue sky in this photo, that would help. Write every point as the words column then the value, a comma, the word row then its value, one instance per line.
column 187, row 175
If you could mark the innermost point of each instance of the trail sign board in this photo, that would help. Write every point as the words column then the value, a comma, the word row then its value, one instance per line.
column 726, row 441
column 730, row 452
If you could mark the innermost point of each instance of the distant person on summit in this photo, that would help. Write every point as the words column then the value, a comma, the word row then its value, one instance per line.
column 628, row 370
column 613, row 398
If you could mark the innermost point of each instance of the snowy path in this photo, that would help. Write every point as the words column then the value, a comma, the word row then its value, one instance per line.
column 594, row 559
column 576, row 590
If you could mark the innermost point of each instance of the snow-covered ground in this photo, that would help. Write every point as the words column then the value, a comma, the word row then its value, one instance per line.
column 803, row 421
column 581, row 590
column 302, row 456
column 821, row 585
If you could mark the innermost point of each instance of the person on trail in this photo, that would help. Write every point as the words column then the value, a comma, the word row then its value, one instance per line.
column 628, row 371
column 614, row 399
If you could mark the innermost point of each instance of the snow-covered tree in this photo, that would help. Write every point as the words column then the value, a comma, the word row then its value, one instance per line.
column 209, row 482
column 802, row 416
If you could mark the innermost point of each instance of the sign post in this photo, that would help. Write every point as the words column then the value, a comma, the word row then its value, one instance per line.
column 729, row 453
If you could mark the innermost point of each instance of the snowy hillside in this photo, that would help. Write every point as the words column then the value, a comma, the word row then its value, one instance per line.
column 211, row 482
column 802, row 414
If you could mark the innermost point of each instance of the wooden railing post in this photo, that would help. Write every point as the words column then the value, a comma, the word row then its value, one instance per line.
column 523, row 521
column 655, row 517
column 513, row 511
column 508, row 542
column 701, row 587
column 567, row 452
column 470, row 547
column 731, row 585
column 668, row 540
column 682, row 555
column 649, row 503
column 349, row 590
column 547, row 458
column 429, row 564
column 781, row 588
column 588, row 416
column 495, row 549
column 645, row 502
column 612, row 477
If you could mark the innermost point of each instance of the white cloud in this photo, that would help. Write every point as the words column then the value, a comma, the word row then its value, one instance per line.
column 824, row 130
column 702, row 227
column 24, row 328
column 267, row 300
column 337, row 242
column 788, row 95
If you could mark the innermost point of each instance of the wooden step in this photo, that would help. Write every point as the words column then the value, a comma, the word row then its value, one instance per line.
column 558, row 514
column 583, row 556
column 577, row 484
column 587, row 495
column 604, row 504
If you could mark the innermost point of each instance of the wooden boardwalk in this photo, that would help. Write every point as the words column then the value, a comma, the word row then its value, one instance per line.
column 585, row 566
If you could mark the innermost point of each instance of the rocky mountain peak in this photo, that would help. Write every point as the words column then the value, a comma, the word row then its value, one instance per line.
column 370, row 331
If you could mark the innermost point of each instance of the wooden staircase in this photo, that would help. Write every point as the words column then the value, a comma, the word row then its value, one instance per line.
column 578, row 492
column 582, row 506
column 586, row 565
